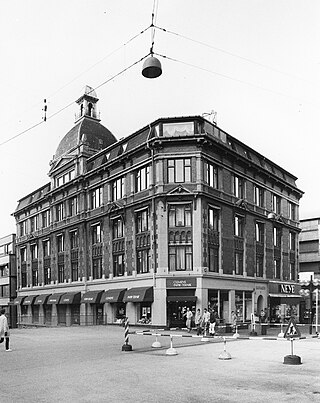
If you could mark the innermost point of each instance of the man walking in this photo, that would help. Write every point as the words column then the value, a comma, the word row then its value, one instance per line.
column 4, row 329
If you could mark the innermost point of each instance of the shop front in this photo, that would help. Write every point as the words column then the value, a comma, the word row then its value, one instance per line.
column 140, row 309
column 30, row 312
column 180, row 296
column 18, row 303
column 115, row 308
column 41, row 302
column 69, row 308
column 94, row 308
column 284, row 300
column 58, row 316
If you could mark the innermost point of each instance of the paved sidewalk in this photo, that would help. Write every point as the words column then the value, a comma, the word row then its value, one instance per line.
column 86, row 364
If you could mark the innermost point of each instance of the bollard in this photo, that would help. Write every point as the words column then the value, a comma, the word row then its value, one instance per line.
column 171, row 350
column 292, row 359
column 156, row 344
column 281, row 334
column 205, row 338
column 126, row 346
column 224, row 355
column 236, row 334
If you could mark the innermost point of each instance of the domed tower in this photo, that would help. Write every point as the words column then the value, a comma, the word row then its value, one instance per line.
column 87, row 137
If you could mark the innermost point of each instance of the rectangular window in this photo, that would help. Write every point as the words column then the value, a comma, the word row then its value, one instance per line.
column 276, row 204
column 213, row 219
column 60, row 243
column 259, row 266
column 239, row 262
column 66, row 177
column 292, row 241
column 74, row 270
column 34, row 251
column 179, row 170
column 47, row 275
column 259, row 232
column 178, row 129
column 23, row 255
column 292, row 271
column 24, row 276
column 96, row 198
column 259, row 196
column 143, row 261
column 118, row 265
column 74, row 239
column 180, row 258
column 238, row 226
column 291, row 211
column 33, row 223
column 34, row 276
column 46, row 248
column 211, row 174
column 23, row 228
column 277, row 237
column 96, row 234
column 45, row 218
column 117, row 228
column 142, row 221
column 238, row 187
column 118, row 189
column 97, row 267
column 142, row 179
column 61, row 275
column 180, row 215
column 277, row 268
column 60, row 211
column 73, row 206
column 213, row 259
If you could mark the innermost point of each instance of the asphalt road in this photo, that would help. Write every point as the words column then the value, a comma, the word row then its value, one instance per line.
column 87, row 364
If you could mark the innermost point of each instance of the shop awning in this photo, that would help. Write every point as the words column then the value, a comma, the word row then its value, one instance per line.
column 284, row 296
column 70, row 298
column 54, row 299
column 91, row 297
column 112, row 296
column 41, row 299
column 181, row 298
column 139, row 294
column 18, row 300
column 29, row 300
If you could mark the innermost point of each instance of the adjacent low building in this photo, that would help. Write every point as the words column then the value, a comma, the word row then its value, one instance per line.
column 8, row 278
column 178, row 214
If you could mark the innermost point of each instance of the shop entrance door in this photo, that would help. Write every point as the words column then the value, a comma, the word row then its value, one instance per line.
column 62, row 315
column 99, row 314
column 75, row 314
column 175, row 312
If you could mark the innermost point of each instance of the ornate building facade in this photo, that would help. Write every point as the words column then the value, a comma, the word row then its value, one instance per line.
column 178, row 214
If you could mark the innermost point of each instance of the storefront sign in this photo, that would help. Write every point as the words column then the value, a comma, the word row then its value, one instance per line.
column 182, row 282
column 287, row 288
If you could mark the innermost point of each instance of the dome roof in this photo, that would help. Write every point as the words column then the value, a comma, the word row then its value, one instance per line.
column 87, row 131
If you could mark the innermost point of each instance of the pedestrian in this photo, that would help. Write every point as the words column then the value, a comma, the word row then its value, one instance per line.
column 4, row 329
column 212, row 320
column 197, row 321
column 205, row 320
column 234, row 321
column 262, row 316
column 189, row 316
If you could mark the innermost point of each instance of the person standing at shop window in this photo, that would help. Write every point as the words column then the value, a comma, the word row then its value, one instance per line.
column 189, row 316
column 205, row 320
column 4, row 329
column 197, row 321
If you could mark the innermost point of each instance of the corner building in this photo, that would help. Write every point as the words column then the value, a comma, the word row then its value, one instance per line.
column 178, row 214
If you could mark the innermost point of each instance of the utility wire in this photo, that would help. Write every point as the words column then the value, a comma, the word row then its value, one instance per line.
column 232, row 78
column 71, row 103
column 233, row 54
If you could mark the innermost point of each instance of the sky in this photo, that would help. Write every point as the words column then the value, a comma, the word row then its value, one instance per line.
column 256, row 63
